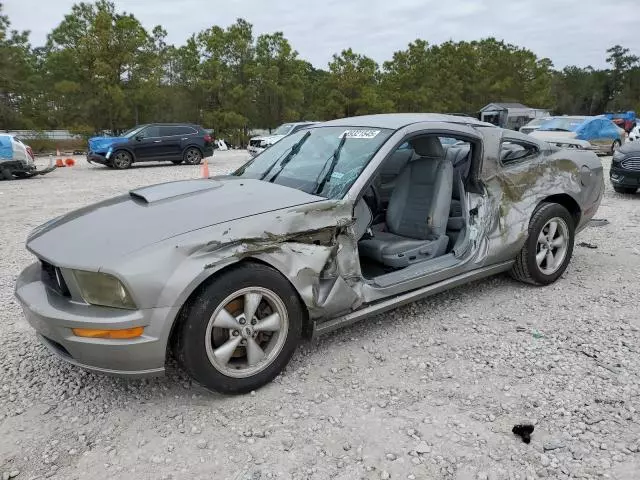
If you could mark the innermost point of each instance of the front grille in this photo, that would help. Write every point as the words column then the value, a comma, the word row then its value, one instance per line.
column 255, row 143
column 632, row 163
column 53, row 279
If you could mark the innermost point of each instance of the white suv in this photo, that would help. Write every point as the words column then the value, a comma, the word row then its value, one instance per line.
column 258, row 144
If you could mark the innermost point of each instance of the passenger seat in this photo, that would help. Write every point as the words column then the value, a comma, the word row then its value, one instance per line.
column 390, row 171
column 416, row 220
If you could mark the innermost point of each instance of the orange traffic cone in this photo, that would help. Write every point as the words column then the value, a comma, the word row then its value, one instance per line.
column 204, row 171
column 70, row 162
column 59, row 163
column 58, row 154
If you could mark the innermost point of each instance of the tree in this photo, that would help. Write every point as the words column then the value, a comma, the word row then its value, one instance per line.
column 101, row 64
column 17, row 72
column 101, row 69
column 623, row 64
column 279, row 77
column 353, row 86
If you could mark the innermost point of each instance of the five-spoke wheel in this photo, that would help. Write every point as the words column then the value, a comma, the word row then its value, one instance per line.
column 552, row 245
column 240, row 329
column 549, row 246
column 246, row 332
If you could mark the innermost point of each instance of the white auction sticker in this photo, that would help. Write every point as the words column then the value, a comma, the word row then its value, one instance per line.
column 359, row 133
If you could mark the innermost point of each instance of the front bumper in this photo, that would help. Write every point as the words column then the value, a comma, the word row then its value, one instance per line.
column 624, row 178
column 255, row 151
column 53, row 316
column 18, row 166
column 93, row 157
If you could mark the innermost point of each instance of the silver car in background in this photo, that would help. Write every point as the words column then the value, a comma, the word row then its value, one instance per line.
column 329, row 226
column 533, row 125
column 258, row 144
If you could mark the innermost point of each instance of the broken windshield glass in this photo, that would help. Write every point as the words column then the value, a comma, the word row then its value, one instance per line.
column 306, row 168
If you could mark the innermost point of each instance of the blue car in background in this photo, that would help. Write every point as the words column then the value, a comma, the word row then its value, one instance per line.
column 592, row 133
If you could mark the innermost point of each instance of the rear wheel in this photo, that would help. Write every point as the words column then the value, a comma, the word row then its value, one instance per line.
column 192, row 156
column 121, row 160
column 241, row 330
column 625, row 189
column 548, row 248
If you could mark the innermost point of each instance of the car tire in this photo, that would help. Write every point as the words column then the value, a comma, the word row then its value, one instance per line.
column 192, row 156
column 121, row 160
column 176, row 162
column 214, row 344
column 5, row 174
column 615, row 146
column 532, row 264
column 627, row 190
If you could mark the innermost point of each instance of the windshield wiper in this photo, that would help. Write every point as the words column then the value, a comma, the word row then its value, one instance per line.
column 334, row 161
column 294, row 150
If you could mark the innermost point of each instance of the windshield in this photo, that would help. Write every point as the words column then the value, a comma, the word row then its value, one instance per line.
column 562, row 124
column 316, row 155
column 133, row 131
column 283, row 129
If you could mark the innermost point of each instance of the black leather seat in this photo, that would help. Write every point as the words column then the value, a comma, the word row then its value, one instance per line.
column 416, row 219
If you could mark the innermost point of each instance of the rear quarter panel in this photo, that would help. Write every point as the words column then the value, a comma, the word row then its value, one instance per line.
column 513, row 193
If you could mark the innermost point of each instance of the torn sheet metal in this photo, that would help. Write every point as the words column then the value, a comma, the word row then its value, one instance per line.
column 312, row 245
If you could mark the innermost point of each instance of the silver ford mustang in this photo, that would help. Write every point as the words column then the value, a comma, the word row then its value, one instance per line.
column 331, row 225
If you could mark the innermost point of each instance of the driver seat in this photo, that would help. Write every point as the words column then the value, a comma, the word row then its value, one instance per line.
column 416, row 219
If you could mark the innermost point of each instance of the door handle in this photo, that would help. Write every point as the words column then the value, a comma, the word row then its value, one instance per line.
column 157, row 141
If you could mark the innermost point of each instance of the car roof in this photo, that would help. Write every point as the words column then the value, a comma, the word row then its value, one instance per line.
column 396, row 121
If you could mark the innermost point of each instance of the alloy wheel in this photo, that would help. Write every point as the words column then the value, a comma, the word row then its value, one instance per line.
column 552, row 245
column 246, row 332
column 193, row 157
column 122, row 160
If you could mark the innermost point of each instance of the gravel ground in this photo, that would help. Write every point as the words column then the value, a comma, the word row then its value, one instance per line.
column 427, row 391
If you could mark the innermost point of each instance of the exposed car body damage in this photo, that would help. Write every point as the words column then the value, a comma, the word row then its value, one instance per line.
column 165, row 242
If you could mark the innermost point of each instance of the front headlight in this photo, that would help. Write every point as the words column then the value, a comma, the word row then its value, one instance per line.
column 103, row 289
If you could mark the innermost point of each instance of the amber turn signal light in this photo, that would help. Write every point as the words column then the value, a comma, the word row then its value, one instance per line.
column 111, row 334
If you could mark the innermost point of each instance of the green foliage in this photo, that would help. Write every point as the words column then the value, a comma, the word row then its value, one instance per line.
column 102, row 70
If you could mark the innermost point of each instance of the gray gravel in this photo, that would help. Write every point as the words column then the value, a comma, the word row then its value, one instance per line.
column 427, row 391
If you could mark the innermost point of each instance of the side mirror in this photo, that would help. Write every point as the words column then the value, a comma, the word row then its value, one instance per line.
column 139, row 137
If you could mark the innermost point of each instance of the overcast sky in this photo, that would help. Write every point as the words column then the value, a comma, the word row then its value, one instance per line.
column 570, row 32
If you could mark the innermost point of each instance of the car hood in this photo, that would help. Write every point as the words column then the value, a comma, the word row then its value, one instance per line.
column 629, row 147
column 102, row 144
column 96, row 235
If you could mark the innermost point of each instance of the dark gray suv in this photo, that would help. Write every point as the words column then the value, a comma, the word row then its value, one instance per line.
column 175, row 142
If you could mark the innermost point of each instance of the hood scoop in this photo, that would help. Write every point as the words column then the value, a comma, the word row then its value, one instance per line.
column 164, row 191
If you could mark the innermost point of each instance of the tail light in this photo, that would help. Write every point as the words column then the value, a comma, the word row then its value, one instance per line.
column 207, row 138
column 30, row 152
